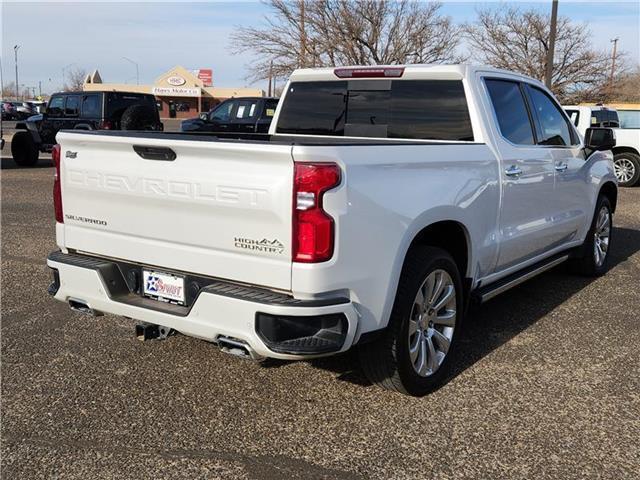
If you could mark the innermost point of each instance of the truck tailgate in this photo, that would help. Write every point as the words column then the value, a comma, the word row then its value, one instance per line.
column 219, row 209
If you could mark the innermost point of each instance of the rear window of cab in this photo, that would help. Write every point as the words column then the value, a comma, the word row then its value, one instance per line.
column 402, row 109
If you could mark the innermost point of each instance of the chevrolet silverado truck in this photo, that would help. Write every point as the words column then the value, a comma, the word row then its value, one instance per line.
column 380, row 203
column 626, row 153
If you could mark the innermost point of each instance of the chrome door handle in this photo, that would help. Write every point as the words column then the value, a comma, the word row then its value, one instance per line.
column 513, row 171
column 561, row 167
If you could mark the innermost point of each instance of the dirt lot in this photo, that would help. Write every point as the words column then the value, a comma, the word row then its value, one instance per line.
column 547, row 385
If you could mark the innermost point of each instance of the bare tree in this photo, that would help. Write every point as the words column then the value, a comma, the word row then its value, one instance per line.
column 75, row 80
column 517, row 40
column 626, row 88
column 9, row 90
column 339, row 32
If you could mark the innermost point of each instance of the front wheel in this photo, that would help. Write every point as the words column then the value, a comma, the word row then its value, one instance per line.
column 627, row 168
column 413, row 356
column 597, row 245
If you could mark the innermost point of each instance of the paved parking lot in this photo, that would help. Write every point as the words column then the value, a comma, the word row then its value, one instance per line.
column 547, row 385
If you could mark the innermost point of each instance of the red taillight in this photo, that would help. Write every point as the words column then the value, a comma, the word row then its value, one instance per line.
column 105, row 125
column 313, row 235
column 57, row 191
column 369, row 72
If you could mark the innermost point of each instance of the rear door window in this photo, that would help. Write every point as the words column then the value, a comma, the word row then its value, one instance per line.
column 72, row 106
column 410, row 109
column 511, row 111
column 90, row 106
column 245, row 109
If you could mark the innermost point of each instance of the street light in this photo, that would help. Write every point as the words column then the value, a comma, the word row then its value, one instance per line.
column 15, row 52
column 137, row 74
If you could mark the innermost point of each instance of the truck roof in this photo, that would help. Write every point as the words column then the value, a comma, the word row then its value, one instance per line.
column 413, row 71
column 589, row 107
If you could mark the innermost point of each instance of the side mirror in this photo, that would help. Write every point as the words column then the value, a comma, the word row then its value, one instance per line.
column 598, row 139
column 204, row 117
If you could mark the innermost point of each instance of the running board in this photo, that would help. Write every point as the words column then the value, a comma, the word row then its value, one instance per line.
column 486, row 293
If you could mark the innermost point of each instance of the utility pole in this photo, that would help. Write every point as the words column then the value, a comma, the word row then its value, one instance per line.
column 270, row 77
column 613, row 59
column 137, row 72
column 40, row 88
column 15, row 52
column 303, row 36
column 548, row 77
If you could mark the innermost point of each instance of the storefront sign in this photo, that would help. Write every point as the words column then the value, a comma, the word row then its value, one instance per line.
column 176, row 91
column 206, row 75
column 176, row 80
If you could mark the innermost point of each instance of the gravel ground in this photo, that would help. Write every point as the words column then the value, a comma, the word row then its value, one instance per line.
column 547, row 385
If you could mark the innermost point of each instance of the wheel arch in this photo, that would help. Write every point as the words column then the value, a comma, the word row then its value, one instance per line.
column 449, row 235
column 610, row 190
column 617, row 150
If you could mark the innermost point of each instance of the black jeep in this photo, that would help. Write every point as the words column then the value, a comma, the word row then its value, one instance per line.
column 82, row 111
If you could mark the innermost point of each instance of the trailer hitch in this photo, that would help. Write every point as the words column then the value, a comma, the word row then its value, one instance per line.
column 151, row 331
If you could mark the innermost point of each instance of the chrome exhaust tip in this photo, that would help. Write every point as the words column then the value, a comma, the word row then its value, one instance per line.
column 82, row 307
column 237, row 347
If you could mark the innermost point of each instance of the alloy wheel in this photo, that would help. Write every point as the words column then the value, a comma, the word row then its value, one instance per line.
column 432, row 322
column 624, row 169
column 601, row 236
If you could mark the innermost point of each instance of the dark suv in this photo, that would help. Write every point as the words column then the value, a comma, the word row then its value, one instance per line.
column 82, row 111
column 241, row 114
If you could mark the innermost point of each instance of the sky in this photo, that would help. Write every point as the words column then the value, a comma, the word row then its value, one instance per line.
column 159, row 35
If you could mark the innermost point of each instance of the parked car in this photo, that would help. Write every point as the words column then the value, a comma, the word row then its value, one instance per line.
column 626, row 153
column 243, row 114
column 382, row 201
column 8, row 111
column 82, row 111
column 24, row 110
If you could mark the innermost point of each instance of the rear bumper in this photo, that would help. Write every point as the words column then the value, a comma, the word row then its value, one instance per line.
column 219, row 310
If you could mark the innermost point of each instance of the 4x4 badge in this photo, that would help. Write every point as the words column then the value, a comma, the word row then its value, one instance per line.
column 71, row 154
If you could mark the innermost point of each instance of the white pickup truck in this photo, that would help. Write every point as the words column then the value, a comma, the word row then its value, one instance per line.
column 626, row 153
column 381, row 202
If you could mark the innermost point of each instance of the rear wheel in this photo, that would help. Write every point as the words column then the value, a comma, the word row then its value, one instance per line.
column 597, row 245
column 413, row 356
column 627, row 168
column 24, row 150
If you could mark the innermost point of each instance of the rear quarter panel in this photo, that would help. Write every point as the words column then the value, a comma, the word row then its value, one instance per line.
column 388, row 194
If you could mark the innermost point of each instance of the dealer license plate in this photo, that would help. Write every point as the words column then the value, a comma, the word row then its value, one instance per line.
column 164, row 287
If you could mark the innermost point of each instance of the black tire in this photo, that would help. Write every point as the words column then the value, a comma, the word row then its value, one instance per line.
column 386, row 361
column 138, row 117
column 629, row 163
column 24, row 150
column 587, row 264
